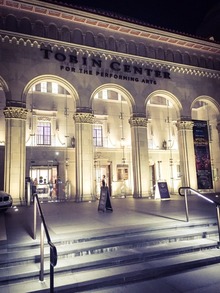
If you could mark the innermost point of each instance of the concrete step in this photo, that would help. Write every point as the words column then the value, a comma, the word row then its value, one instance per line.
column 104, row 243
column 141, row 267
column 111, row 258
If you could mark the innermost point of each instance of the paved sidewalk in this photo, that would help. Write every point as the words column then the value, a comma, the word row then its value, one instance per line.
column 71, row 218
column 65, row 219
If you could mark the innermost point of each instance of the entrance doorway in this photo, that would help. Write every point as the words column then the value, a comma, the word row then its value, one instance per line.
column 101, row 170
column 44, row 180
column 43, row 174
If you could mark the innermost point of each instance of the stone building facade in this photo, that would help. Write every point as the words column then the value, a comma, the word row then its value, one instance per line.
column 85, row 94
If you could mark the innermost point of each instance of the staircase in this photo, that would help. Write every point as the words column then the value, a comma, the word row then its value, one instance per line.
column 108, row 259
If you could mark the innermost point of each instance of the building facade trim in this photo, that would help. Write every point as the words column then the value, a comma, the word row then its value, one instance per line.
column 108, row 55
column 131, row 29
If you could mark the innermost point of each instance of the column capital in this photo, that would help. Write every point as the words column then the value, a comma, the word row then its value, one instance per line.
column 15, row 112
column 184, row 125
column 83, row 118
column 138, row 121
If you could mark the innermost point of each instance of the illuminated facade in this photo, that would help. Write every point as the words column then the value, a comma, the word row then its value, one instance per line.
column 84, row 94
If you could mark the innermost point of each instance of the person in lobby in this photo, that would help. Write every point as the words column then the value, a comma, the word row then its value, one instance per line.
column 103, row 182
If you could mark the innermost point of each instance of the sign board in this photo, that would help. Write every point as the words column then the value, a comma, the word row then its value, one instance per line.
column 202, row 154
column 162, row 190
column 104, row 201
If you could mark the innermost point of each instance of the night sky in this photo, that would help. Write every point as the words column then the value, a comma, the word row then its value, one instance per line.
column 181, row 16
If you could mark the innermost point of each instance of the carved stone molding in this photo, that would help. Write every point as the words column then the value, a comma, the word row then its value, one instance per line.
column 184, row 125
column 35, row 41
column 91, row 17
column 43, row 118
column 14, row 112
column 83, row 118
column 138, row 121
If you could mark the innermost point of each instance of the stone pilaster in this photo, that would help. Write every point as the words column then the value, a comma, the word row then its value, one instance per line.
column 187, row 153
column 140, row 159
column 84, row 155
column 218, row 129
column 15, row 152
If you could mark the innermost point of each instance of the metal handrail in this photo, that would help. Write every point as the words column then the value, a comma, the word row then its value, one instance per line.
column 53, row 250
column 217, row 204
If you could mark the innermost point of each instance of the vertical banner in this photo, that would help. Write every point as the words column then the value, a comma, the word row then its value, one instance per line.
column 202, row 155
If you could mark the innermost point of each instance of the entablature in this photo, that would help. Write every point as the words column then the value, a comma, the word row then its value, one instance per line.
column 64, row 53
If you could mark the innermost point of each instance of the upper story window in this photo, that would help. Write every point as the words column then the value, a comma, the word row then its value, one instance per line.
column 44, row 87
column 49, row 87
column 43, row 133
column 109, row 95
column 54, row 88
column 97, row 136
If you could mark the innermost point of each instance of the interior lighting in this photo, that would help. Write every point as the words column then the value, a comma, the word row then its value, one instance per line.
column 104, row 94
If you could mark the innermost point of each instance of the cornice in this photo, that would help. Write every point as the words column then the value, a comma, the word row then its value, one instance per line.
column 18, row 39
column 103, row 22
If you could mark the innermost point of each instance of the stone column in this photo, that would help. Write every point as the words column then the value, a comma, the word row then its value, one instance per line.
column 140, row 159
column 218, row 129
column 84, row 155
column 187, row 153
column 15, row 153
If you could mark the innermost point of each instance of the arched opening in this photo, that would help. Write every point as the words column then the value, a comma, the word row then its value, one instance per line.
column 50, row 136
column 163, row 111
column 205, row 113
column 112, row 139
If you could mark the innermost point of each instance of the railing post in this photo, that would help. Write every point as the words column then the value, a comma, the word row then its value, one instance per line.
column 51, row 278
column 42, row 252
column 53, row 250
column 207, row 199
column 186, row 205
column 218, row 219
column 53, row 262
column 35, row 216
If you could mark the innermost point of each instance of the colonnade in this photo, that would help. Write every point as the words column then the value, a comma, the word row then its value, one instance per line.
column 15, row 153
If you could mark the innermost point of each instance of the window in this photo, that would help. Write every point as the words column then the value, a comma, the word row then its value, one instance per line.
column 122, row 172
column 54, row 88
column 44, row 133
column 44, row 87
column 97, row 136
